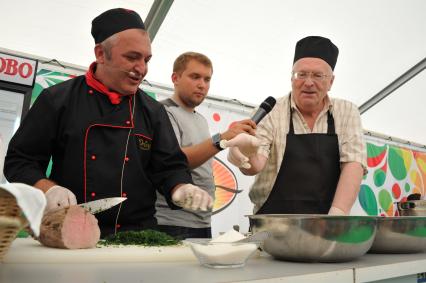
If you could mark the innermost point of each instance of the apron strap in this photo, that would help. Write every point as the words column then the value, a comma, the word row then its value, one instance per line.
column 330, row 124
column 291, row 130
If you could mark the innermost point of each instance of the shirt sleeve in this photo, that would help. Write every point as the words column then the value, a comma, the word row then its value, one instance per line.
column 265, row 132
column 30, row 148
column 175, row 126
column 353, row 147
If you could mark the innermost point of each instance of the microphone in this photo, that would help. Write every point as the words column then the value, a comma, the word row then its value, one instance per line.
column 264, row 109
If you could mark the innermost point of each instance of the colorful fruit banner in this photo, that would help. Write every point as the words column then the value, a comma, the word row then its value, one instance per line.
column 394, row 172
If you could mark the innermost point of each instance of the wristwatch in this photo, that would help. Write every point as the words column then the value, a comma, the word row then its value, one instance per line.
column 216, row 141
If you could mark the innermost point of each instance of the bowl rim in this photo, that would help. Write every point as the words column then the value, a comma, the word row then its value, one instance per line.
column 309, row 216
column 402, row 217
column 207, row 241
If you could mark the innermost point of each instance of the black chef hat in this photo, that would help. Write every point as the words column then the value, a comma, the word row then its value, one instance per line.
column 317, row 47
column 113, row 21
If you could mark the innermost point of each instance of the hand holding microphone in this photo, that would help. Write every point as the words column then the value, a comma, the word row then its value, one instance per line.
column 244, row 146
column 264, row 109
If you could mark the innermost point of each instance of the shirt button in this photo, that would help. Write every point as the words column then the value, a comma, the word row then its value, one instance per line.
column 93, row 157
column 127, row 122
column 124, row 195
column 126, row 159
column 90, row 91
column 118, row 225
column 93, row 195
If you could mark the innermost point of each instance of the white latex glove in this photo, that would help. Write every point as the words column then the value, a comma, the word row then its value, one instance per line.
column 247, row 144
column 242, row 147
column 238, row 159
column 59, row 197
column 192, row 197
column 336, row 211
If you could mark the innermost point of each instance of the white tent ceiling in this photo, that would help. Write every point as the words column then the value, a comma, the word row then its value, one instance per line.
column 251, row 44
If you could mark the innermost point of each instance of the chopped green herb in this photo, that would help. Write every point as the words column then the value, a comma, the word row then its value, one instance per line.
column 143, row 238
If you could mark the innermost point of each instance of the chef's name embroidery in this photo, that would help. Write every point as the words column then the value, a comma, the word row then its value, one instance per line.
column 144, row 142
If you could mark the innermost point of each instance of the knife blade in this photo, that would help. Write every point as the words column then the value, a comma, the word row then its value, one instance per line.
column 101, row 204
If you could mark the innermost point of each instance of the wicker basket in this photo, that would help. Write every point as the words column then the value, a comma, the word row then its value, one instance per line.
column 11, row 221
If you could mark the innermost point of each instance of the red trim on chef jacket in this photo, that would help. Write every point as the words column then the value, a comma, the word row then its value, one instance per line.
column 102, row 125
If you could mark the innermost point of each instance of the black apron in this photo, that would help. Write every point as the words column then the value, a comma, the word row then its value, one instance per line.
column 308, row 176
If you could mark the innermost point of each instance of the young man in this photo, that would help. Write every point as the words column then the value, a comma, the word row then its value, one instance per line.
column 106, row 137
column 191, row 77
column 309, row 150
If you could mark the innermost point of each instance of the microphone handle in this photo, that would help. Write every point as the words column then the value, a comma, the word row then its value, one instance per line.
column 260, row 113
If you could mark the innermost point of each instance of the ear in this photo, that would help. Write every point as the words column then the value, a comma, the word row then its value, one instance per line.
column 331, row 82
column 175, row 77
column 99, row 54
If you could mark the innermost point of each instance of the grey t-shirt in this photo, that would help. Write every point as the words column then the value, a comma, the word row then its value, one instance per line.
column 190, row 129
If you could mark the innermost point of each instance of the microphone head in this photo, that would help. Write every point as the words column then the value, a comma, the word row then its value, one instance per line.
column 268, row 104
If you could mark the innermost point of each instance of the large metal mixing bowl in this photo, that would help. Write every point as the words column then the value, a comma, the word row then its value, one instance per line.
column 403, row 234
column 317, row 238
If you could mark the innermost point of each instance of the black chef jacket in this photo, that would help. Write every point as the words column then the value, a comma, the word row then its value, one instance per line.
column 91, row 142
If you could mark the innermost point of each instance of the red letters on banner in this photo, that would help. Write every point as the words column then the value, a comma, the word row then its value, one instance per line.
column 12, row 67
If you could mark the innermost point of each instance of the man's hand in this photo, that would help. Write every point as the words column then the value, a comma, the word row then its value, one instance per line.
column 238, row 159
column 247, row 144
column 242, row 147
column 238, row 127
column 336, row 211
column 59, row 197
column 192, row 197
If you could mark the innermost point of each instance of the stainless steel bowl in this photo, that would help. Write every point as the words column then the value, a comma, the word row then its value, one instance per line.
column 403, row 234
column 315, row 238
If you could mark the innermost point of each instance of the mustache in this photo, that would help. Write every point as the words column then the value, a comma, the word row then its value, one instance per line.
column 132, row 74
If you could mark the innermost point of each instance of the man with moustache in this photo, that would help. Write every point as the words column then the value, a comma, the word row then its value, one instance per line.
column 106, row 137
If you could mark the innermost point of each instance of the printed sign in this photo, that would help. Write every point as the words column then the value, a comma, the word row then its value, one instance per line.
column 18, row 70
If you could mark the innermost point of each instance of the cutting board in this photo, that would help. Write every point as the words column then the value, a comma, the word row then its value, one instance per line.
column 30, row 251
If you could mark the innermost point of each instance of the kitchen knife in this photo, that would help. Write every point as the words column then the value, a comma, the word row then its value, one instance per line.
column 101, row 204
